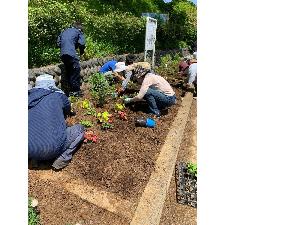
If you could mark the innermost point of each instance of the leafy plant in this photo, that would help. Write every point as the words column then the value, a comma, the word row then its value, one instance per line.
column 100, row 88
column 106, row 125
column 192, row 168
column 73, row 99
column 85, row 104
column 91, row 111
column 122, row 115
column 119, row 107
column 105, row 119
column 86, row 123
column 33, row 217
column 89, row 136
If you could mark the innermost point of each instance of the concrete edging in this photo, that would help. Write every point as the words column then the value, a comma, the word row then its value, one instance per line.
column 149, row 209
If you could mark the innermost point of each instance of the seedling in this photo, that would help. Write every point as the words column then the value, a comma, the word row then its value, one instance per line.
column 192, row 168
column 106, row 125
column 122, row 115
column 119, row 107
column 73, row 99
column 33, row 216
column 91, row 111
column 105, row 119
column 89, row 136
column 85, row 104
column 86, row 123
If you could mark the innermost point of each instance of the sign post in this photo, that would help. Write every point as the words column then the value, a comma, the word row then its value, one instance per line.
column 150, row 38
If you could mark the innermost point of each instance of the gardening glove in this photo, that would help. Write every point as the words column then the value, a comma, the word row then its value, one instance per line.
column 127, row 100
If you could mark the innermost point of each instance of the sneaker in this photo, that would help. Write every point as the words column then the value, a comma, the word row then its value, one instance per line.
column 58, row 164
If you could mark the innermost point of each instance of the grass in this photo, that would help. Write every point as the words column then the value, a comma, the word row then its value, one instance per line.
column 33, row 217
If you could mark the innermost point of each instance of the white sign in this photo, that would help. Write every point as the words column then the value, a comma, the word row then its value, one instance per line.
column 150, row 38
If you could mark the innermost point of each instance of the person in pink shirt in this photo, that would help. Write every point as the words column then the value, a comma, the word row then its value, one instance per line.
column 157, row 92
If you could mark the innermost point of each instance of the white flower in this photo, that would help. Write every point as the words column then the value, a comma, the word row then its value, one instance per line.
column 34, row 203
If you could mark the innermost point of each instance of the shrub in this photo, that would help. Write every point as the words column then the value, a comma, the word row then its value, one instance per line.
column 168, row 65
column 110, row 27
column 100, row 88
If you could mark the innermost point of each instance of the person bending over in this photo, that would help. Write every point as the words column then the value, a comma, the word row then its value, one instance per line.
column 157, row 92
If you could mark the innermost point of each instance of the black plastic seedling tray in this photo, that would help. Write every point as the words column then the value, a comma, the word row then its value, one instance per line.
column 186, row 186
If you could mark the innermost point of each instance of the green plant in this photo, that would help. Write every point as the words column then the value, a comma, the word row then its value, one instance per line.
column 85, row 104
column 103, row 22
column 168, row 65
column 100, row 88
column 86, row 123
column 119, row 107
column 91, row 111
column 192, row 168
column 105, row 119
column 33, row 217
column 73, row 99
column 106, row 125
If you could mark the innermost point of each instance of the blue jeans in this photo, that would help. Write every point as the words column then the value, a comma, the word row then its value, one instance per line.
column 157, row 101
column 75, row 134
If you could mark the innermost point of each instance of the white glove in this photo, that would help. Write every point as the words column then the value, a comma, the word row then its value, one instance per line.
column 127, row 100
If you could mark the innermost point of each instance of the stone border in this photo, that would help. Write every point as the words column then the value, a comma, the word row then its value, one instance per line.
column 89, row 67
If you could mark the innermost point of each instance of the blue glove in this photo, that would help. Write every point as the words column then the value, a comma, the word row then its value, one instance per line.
column 127, row 100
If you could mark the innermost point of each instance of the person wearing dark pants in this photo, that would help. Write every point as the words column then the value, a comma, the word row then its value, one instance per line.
column 68, row 41
column 72, row 68
column 157, row 101
column 157, row 92
column 49, row 138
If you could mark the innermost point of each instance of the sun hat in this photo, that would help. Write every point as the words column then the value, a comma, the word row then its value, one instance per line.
column 120, row 66
column 140, row 71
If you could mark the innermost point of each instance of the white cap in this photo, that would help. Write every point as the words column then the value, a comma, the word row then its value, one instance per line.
column 44, row 77
column 120, row 66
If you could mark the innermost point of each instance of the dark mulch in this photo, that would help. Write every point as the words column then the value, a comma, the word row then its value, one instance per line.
column 120, row 162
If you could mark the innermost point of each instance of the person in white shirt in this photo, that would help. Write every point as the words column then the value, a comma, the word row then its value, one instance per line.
column 157, row 92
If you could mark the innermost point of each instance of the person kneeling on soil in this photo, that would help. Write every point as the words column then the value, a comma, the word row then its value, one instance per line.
column 157, row 92
column 49, row 138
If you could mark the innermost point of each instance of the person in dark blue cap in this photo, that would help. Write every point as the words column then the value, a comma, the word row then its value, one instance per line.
column 49, row 138
column 68, row 41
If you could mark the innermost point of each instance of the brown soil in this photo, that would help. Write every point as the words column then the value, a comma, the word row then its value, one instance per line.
column 173, row 212
column 120, row 162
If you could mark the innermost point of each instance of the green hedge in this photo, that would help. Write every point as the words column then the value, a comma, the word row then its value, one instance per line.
column 110, row 27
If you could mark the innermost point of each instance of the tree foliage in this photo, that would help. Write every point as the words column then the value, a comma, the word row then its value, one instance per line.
column 110, row 26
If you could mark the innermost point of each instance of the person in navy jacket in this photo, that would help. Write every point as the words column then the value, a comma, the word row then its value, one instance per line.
column 49, row 138
column 68, row 41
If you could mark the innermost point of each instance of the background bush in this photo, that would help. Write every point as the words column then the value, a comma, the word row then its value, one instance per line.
column 110, row 26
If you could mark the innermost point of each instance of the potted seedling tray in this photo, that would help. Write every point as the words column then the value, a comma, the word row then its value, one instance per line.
column 186, row 185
